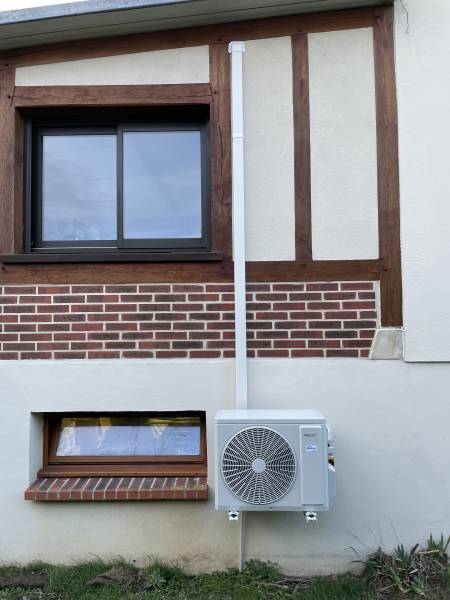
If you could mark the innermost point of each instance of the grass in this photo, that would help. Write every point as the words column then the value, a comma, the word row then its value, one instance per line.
column 415, row 573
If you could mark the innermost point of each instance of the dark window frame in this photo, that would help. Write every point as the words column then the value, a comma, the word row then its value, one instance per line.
column 115, row 466
column 113, row 124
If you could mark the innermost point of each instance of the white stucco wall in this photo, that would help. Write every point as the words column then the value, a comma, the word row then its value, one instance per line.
column 178, row 65
column 423, row 89
column 343, row 145
column 269, row 149
column 392, row 460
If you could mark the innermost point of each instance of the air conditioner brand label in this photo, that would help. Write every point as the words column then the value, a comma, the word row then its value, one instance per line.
column 311, row 448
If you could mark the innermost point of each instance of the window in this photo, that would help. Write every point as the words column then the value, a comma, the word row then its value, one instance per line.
column 123, row 182
column 115, row 444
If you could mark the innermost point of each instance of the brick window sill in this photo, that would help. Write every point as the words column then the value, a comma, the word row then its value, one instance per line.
column 101, row 489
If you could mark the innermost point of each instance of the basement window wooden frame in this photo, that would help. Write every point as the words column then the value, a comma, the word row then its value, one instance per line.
column 124, row 444
column 159, row 150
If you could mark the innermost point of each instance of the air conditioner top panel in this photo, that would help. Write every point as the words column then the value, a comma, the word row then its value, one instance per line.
column 270, row 416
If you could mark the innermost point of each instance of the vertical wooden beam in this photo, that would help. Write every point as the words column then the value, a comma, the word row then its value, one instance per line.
column 219, row 67
column 388, row 175
column 302, row 147
column 7, row 160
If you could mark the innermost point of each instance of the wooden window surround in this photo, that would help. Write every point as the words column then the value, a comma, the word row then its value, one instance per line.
column 14, row 100
column 67, row 464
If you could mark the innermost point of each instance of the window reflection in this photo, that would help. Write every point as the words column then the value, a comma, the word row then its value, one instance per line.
column 162, row 184
column 129, row 436
column 79, row 187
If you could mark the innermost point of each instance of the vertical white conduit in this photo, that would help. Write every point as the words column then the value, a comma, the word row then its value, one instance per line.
column 236, row 49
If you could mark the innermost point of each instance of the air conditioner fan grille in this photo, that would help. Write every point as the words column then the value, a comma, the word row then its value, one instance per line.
column 258, row 465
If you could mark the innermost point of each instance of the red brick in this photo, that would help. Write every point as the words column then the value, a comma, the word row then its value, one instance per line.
column 367, row 314
column 204, row 316
column 340, row 334
column 341, row 314
column 150, row 326
column 290, row 344
column 360, row 324
column 271, row 297
column 191, row 326
column 203, row 297
column 325, row 324
column 185, row 287
column 343, row 353
column 35, row 355
column 364, row 353
column 172, row 316
column 359, row 305
column 305, row 296
column 366, row 333
column 217, row 344
column 103, row 298
column 204, row 354
column 191, row 306
column 136, row 298
column 86, row 308
column 20, row 289
column 171, row 354
column 273, row 316
column 121, row 289
column 68, row 299
column 34, row 299
column 171, row 335
column 362, row 285
column 306, row 353
column 103, row 317
column 272, row 335
column 306, row 314
column 70, row 318
column 87, row 327
column 9, row 355
column 155, row 307
column 20, row 327
column 154, row 345
column 273, row 353
column 53, row 289
column 259, row 306
column 53, row 327
column 121, row 326
column 339, row 295
column 250, row 326
column 305, row 335
column 20, row 308
column 366, row 295
column 288, row 287
column 357, row 343
column 170, row 298
column 322, row 287
column 52, row 308
column 289, row 306
column 75, row 337
column 18, row 346
column 219, row 287
column 290, row 325
column 205, row 335
column 137, row 354
column 9, row 318
column 323, row 305
column 103, row 354
column 9, row 337
column 35, row 337
column 102, row 335
column 258, row 287
column 87, row 289
column 69, row 355
column 154, row 288
column 36, row 318
column 50, row 346
column 119, row 345
column 86, row 346
column 137, row 335
column 121, row 307
column 324, row 343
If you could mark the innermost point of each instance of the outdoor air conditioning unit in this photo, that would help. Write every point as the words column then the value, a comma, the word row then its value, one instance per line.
column 273, row 460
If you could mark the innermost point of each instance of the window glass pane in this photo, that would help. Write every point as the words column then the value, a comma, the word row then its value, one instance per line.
column 79, row 193
column 162, row 184
column 129, row 436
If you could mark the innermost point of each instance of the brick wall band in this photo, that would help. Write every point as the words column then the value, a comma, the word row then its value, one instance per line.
column 285, row 320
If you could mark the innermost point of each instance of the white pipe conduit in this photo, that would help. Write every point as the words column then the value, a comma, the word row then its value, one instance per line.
column 236, row 49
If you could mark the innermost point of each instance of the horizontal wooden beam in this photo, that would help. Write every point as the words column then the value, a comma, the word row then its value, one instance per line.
column 189, row 272
column 110, row 95
column 194, row 36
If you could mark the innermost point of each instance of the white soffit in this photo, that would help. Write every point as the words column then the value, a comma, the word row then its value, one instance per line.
column 99, row 18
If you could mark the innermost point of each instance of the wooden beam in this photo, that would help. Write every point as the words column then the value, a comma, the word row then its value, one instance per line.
column 194, row 36
column 219, row 67
column 185, row 272
column 7, row 161
column 302, row 147
column 110, row 95
column 388, row 176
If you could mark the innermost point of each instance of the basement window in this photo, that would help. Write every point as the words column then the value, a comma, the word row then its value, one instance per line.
column 119, row 182
column 124, row 444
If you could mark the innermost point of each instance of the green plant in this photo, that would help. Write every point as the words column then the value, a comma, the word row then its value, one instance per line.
column 416, row 571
